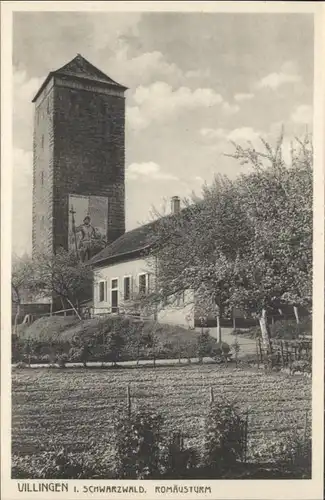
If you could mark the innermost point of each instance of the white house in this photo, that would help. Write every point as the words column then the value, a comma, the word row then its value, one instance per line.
column 123, row 270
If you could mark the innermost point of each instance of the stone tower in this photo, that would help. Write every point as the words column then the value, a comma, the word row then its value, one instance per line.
column 79, row 160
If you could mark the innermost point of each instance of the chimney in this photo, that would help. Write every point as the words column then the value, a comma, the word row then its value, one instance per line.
column 176, row 204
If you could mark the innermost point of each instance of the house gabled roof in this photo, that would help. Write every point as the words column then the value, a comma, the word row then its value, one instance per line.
column 129, row 244
column 80, row 68
column 136, row 242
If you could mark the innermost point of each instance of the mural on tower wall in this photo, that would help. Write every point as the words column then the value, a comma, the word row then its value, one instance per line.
column 87, row 224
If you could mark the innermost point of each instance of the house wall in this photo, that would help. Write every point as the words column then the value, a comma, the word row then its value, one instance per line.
column 182, row 315
column 132, row 268
column 170, row 314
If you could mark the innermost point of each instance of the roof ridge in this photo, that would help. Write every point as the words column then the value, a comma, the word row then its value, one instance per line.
column 79, row 60
column 135, row 246
column 80, row 67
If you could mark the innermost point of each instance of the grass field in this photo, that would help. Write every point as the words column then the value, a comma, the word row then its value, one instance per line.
column 74, row 407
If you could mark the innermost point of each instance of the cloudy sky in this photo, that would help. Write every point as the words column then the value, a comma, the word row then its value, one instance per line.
column 196, row 81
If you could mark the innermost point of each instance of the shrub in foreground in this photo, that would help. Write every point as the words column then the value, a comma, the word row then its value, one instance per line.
column 223, row 442
column 138, row 442
column 179, row 461
column 53, row 465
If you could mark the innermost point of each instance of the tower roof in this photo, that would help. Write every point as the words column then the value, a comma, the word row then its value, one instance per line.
column 80, row 68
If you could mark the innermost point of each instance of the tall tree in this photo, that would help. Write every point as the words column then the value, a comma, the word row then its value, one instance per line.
column 21, row 276
column 247, row 242
column 62, row 275
column 196, row 249
column 277, row 197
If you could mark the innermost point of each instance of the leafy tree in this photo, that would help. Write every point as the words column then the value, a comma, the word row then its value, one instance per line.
column 62, row 274
column 276, row 264
column 196, row 249
column 246, row 243
column 21, row 278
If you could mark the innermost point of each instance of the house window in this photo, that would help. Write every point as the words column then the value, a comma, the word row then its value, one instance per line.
column 114, row 295
column 101, row 291
column 127, row 287
column 143, row 284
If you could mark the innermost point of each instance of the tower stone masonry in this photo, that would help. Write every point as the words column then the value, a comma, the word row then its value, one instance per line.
column 79, row 151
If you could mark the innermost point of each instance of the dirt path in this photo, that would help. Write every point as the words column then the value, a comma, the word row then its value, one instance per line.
column 247, row 346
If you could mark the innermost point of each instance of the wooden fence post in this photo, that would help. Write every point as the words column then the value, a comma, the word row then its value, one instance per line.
column 257, row 354
column 138, row 351
column 282, row 352
column 305, row 428
column 260, row 349
column 246, row 437
column 128, row 400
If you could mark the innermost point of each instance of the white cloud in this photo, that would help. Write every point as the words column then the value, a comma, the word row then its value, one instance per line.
column 159, row 102
column 303, row 114
column 24, row 89
column 287, row 74
column 211, row 133
column 142, row 68
column 22, row 200
column 149, row 171
column 107, row 30
column 147, row 67
column 243, row 97
column 198, row 73
column 238, row 135
column 230, row 109
column 243, row 134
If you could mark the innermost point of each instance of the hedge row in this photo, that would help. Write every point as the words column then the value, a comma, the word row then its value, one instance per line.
column 114, row 341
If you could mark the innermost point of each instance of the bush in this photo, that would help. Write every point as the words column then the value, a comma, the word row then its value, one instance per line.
column 221, row 352
column 113, row 340
column 294, row 451
column 45, row 359
column 21, row 365
column 138, row 443
column 204, row 345
column 284, row 329
column 52, row 465
column 301, row 365
column 62, row 360
column 223, row 436
column 289, row 329
column 180, row 462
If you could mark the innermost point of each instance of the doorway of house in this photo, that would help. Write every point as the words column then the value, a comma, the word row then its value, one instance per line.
column 114, row 301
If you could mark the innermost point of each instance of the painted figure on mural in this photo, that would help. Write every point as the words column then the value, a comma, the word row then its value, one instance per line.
column 88, row 234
